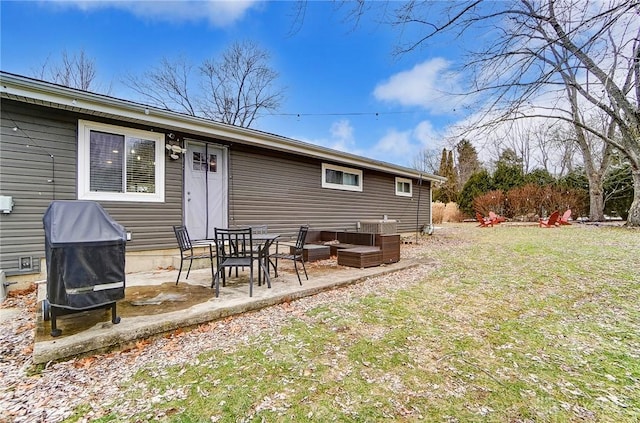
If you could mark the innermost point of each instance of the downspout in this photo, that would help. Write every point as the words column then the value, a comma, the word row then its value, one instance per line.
column 206, row 191
column 418, row 208
column 230, row 199
column 430, row 208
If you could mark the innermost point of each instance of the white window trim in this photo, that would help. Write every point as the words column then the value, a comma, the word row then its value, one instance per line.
column 84, row 192
column 330, row 185
column 404, row 194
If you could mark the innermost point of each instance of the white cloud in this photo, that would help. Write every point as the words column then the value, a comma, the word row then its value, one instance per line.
column 218, row 13
column 430, row 84
column 341, row 138
column 395, row 147
column 427, row 135
column 342, row 131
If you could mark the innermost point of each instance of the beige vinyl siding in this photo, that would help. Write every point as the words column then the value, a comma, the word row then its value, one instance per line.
column 285, row 191
column 24, row 172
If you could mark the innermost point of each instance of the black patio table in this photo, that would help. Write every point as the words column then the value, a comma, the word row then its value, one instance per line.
column 263, row 241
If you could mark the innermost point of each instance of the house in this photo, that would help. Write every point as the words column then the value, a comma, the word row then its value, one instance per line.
column 152, row 169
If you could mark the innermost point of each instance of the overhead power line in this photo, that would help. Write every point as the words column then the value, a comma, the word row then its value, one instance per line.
column 342, row 114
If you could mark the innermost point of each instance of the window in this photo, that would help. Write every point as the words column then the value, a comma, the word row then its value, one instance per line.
column 403, row 187
column 338, row 177
column 119, row 164
column 199, row 162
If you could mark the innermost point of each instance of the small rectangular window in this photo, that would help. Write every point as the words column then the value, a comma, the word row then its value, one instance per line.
column 119, row 164
column 213, row 163
column 343, row 178
column 198, row 160
column 404, row 187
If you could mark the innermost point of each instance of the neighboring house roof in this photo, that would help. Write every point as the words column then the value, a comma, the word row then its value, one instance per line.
column 29, row 90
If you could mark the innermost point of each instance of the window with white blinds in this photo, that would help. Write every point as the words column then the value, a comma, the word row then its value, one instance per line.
column 119, row 164
column 343, row 178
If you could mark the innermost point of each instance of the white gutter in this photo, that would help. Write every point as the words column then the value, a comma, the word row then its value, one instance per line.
column 22, row 88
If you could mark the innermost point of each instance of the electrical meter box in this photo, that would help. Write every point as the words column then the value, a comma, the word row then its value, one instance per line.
column 6, row 204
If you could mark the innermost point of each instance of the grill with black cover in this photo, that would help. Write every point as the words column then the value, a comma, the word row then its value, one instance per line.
column 85, row 252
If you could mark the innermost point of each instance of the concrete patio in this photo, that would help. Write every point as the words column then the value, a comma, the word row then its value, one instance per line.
column 154, row 305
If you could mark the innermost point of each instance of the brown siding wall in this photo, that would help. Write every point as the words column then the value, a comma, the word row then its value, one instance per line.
column 265, row 187
column 24, row 175
column 285, row 191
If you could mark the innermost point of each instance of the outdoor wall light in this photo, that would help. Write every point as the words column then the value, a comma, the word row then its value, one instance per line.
column 173, row 146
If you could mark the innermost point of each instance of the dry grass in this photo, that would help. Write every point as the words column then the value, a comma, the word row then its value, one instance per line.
column 448, row 213
column 503, row 324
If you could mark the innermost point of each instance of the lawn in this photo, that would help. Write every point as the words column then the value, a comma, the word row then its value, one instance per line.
column 514, row 324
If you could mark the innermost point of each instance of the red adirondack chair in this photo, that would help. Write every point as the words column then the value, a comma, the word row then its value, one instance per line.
column 495, row 219
column 551, row 221
column 564, row 220
column 484, row 222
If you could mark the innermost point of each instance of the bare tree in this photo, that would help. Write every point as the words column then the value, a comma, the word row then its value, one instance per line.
column 555, row 148
column 550, row 59
column 241, row 85
column 235, row 89
column 596, row 153
column 166, row 86
column 427, row 160
column 75, row 70
column 516, row 137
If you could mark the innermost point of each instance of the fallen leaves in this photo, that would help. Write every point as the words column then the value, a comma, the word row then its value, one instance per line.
column 206, row 327
column 27, row 326
column 84, row 363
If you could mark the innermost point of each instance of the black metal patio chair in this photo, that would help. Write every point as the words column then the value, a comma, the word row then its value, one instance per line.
column 235, row 249
column 296, row 256
column 256, row 229
column 186, row 246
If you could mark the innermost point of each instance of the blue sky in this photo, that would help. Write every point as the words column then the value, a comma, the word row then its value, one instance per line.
column 350, row 91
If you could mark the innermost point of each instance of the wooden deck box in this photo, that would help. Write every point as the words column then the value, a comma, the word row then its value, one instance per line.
column 313, row 252
column 359, row 238
column 390, row 246
column 360, row 257
column 319, row 237
column 337, row 247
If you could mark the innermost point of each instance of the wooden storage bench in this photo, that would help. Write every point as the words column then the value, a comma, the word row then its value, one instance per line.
column 313, row 252
column 390, row 246
column 360, row 257
column 337, row 247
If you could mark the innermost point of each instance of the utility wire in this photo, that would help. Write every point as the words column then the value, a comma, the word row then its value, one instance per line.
column 341, row 114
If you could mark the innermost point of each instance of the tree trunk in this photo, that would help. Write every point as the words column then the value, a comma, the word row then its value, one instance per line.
column 596, row 201
column 634, row 211
column 596, row 196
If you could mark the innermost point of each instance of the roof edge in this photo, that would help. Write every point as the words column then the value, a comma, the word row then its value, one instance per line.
column 18, row 86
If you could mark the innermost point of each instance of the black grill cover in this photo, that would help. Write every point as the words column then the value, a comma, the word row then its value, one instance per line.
column 85, row 250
